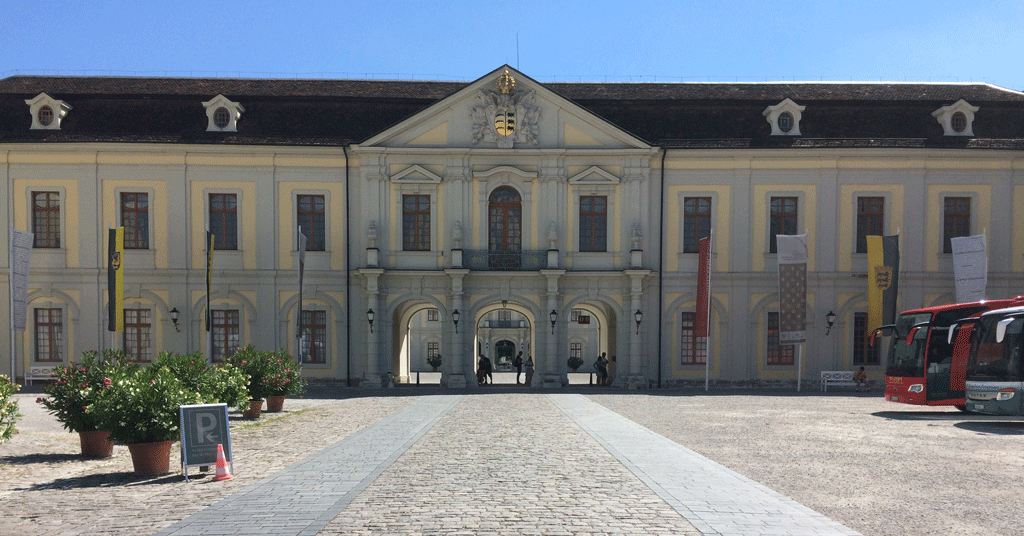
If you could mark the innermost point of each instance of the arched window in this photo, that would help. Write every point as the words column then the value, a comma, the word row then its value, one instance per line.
column 505, row 236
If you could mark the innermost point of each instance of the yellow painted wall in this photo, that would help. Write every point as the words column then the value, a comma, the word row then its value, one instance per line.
column 719, row 224
column 1017, row 240
column 981, row 213
column 69, row 240
column 759, row 219
column 848, row 194
column 247, row 220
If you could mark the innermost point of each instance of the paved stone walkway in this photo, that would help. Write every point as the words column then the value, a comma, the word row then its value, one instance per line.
column 504, row 464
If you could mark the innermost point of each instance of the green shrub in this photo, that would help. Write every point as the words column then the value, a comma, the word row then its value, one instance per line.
column 270, row 373
column 141, row 405
column 76, row 387
column 215, row 384
column 8, row 408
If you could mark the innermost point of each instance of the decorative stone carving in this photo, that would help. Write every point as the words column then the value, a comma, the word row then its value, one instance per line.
column 552, row 236
column 637, row 237
column 457, row 235
column 371, row 233
column 506, row 118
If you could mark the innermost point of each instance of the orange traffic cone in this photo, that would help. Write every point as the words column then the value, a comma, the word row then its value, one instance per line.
column 222, row 465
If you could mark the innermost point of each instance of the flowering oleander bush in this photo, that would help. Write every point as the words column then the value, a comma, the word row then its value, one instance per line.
column 284, row 379
column 141, row 404
column 76, row 387
column 8, row 408
column 215, row 383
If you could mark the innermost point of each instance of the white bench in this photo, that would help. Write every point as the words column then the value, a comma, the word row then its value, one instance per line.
column 836, row 377
column 38, row 374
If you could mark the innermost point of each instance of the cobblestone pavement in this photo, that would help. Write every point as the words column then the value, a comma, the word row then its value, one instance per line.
column 505, row 460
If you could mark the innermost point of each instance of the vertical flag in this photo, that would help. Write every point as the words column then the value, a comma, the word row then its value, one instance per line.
column 883, row 279
column 793, row 256
column 970, row 268
column 303, row 353
column 20, row 259
column 703, row 293
column 115, row 279
column 210, row 239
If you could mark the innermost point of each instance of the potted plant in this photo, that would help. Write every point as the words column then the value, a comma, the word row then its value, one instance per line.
column 76, row 388
column 140, row 409
column 575, row 362
column 434, row 361
column 257, row 366
column 282, row 380
column 8, row 408
column 223, row 383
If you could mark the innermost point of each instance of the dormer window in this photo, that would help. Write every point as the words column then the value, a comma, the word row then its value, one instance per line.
column 222, row 114
column 47, row 112
column 957, row 119
column 784, row 118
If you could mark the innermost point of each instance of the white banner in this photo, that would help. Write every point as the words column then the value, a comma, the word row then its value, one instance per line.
column 20, row 259
column 970, row 268
column 792, row 256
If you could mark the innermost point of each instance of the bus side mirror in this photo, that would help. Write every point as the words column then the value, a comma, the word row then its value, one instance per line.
column 1001, row 328
column 910, row 335
column 884, row 330
column 950, row 336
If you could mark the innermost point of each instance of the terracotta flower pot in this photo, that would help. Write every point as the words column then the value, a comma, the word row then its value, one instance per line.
column 96, row 444
column 275, row 404
column 151, row 458
column 255, row 407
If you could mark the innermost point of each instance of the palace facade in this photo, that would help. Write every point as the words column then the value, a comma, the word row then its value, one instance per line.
column 502, row 215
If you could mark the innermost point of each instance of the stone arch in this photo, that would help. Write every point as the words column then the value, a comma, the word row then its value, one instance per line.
column 398, row 315
column 286, row 318
column 199, row 318
column 492, row 302
column 618, row 326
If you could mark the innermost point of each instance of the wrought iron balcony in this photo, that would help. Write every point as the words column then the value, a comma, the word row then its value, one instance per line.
column 510, row 261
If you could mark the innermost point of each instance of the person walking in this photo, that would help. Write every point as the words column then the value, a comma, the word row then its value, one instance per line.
column 529, row 370
column 602, row 369
column 518, row 364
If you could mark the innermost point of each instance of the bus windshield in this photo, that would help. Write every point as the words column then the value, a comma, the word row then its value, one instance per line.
column 908, row 360
column 996, row 361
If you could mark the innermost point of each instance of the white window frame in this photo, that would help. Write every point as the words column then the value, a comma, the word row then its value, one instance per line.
column 225, row 258
column 65, row 325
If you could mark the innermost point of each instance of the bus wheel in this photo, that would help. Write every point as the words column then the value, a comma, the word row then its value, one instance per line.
column 962, row 407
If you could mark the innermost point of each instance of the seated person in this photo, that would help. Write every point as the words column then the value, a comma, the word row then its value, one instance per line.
column 861, row 378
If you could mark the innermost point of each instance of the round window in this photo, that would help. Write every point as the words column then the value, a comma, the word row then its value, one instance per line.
column 45, row 116
column 958, row 122
column 221, row 117
column 785, row 121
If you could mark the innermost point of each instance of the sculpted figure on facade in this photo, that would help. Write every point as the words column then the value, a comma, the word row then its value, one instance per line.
column 371, row 233
column 637, row 238
column 506, row 117
column 457, row 235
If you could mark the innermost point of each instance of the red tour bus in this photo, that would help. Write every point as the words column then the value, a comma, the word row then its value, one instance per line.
column 923, row 367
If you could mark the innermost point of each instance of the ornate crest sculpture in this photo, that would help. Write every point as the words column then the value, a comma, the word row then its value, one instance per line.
column 505, row 117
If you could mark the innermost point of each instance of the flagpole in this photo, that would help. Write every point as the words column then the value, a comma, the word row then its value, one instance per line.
column 799, row 365
column 707, row 340
column 10, row 292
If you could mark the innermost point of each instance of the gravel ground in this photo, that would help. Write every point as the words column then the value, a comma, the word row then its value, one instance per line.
column 878, row 467
column 875, row 466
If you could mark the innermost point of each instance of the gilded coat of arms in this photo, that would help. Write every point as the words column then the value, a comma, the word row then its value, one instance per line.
column 505, row 117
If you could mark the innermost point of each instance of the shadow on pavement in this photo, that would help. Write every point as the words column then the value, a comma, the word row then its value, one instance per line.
column 993, row 427
column 105, row 480
column 28, row 459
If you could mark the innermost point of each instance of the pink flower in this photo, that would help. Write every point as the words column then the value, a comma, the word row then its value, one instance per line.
column 106, row 381
column 39, row 400
column 152, row 382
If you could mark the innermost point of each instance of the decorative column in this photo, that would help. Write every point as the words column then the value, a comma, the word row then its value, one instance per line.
column 455, row 376
column 552, row 369
column 635, row 379
column 373, row 377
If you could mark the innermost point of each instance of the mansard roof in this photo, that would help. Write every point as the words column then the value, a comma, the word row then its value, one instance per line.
column 681, row 115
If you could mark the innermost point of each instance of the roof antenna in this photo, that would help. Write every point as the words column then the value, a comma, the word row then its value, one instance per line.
column 517, row 51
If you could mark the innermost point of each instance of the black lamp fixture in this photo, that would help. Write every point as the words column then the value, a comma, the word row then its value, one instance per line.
column 504, row 304
column 174, row 318
column 369, row 318
column 553, row 315
column 638, row 316
column 830, row 319
column 455, row 319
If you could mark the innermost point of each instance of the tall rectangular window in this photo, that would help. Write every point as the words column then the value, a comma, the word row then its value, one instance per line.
column 314, row 327
column 783, row 219
column 870, row 220
column 696, row 222
column 49, row 335
column 778, row 354
column 593, row 223
column 46, row 219
column 863, row 352
column 225, row 333
column 135, row 219
column 416, row 222
column 576, row 349
column 432, row 315
column 224, row 220
column 312, row 217
column 433, row 349
column 694, row 352
column 956, row 220
column 137, row 336
column 504, row 315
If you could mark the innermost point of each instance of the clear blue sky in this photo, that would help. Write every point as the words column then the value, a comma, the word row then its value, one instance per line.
column 711, row 40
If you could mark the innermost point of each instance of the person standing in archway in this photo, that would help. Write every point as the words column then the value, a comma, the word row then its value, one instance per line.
column 518, row 364
column 602, row 369
column 529, row 370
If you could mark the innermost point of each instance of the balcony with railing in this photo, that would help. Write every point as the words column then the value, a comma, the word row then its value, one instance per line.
column 509, row 261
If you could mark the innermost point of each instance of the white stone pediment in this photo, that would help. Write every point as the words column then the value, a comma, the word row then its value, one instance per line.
column 524, row 115
column 593, row 175
column 416, row 174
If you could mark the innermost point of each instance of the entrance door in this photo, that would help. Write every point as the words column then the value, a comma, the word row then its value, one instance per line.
column 504, row 351
column 505, row 237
